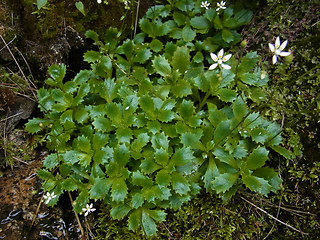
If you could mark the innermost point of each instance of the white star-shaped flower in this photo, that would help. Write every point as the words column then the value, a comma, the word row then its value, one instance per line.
column 221, row 5
column 48, row 197
column 277, row 49
column 88, row 209
column 220, row 59
column 205, row 4
column 99, row 1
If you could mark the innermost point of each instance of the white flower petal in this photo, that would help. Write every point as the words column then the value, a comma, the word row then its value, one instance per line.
column 214, row 57
column 284, row 54
column 272, row 48
column 277, row 44
column 283, row 45
column 220, row 53
column 227, row 57
column 225, row 66
column 274, row 59
column 213, row 66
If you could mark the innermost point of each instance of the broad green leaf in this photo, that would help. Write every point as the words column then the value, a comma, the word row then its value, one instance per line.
column 81, row 115
column 182, row 156
column 80, row 7
column 119, row 190
column 100, row 188
column 51, row 161
column 198, row 58
column 113, row 112
column 160, row 140
column 134, row 220
column 243, row 17
column 41, row 3
column 270, row 175
column 224, row 182
column 82, row 144
column 161, row 65
column 45, row 174
column 182, row 88
column 257, row 158
column 240, row 152
column 166, row 115
column 186, row 109
column 124, row 135
column 142, row 55
column 156, row 45
column 282, row 151
column 45, row 99
column 147, row 105
column 57, row 72
column 120, row 211
column 99, row 140
column 102, row 124
column 67, row 116
column 240, row 109
column 227, row 35
column 92, row 35
column 91, row 56
column 188, row 34
column 139, row 179
column 179, row 18
column 180, row 183
column 257, row 184
column 82, row 77
column 137, row 200
column 222, row 131
column 225, row 157
column 163, row 178
column 215, row 115
column 253, row 120
column 69, row 185
column 227, row 78
column 149, row 226
column 226, row 94
column 248, row 62
column 72, row 157
column 108, row 90
column 103, row 67
column 259, row 135
column 157, row 215
column 35, row 125
column 121, row 154
column 161, row 156
column 181, row 59
column 140, row 142
column 151, row 194
column 192, row 140
column 81, row 200
column 200, row 23
column 148, row 165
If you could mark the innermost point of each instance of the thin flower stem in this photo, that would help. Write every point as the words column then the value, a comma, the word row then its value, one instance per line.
column 77, row 217
column 204, row 100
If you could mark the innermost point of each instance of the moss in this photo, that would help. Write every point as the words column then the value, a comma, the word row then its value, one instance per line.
column 205, row 217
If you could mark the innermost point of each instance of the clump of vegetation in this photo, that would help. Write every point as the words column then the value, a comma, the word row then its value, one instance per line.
column 160, row 117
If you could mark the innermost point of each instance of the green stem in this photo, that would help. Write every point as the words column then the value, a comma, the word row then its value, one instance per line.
column 204, row 100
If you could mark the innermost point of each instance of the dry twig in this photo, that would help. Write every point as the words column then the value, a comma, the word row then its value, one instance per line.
column 289, row 226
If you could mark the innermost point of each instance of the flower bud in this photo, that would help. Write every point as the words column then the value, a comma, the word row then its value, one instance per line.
column 244, row 43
